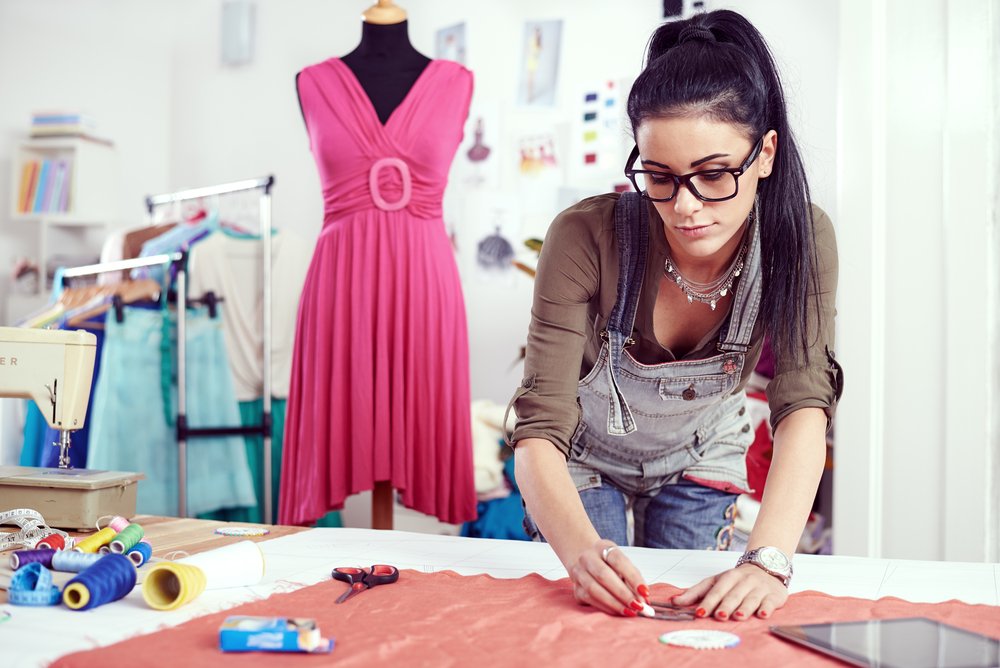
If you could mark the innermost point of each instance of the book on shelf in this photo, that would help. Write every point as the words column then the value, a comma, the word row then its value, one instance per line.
column 45, row 186
column 48, row 124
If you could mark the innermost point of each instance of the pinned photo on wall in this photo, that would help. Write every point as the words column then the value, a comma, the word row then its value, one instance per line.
column 449, row 43
column 537, row 155
column 540, row 64
column 599, row 140
column 497, row 230
column 479, row 156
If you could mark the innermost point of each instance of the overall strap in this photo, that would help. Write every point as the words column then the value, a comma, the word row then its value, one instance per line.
column 746, row 301
column 632, row 236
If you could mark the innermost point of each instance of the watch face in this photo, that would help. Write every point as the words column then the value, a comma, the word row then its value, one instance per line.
column 773, row 559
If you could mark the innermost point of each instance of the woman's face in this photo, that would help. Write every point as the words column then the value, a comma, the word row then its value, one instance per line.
column 681, row 145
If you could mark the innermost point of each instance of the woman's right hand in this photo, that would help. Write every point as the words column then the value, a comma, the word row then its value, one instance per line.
column 605, row 578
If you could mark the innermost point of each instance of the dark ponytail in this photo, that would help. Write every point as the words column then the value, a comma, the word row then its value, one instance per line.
column 718, row 65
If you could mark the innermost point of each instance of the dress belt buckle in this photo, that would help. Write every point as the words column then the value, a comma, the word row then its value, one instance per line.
column 404, row 173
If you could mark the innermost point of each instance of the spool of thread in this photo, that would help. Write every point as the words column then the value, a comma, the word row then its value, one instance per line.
column 92, row 544
column 25, row 557
column 71, row 561
column 53, row 542
column 104, row 549
column 118, row 523
column 111, row 578
column 140, row 554
column 126, row 539
column 238, row 565
column 170, row 584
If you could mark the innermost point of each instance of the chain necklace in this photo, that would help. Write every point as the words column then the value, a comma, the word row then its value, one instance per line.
column 710, row 293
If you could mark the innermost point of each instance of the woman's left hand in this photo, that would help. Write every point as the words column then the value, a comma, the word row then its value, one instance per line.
column 736, row 594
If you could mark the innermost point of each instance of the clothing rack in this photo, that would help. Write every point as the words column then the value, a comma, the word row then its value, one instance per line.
column 184, row 433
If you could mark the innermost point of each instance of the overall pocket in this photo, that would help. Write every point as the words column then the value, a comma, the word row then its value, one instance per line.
column 721, row 455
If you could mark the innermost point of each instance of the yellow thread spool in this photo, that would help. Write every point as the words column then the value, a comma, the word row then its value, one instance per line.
column 169, row 585
column 92, row 544
column 76, row 595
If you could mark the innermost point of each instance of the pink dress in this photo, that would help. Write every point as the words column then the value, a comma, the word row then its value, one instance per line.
column 380, row 372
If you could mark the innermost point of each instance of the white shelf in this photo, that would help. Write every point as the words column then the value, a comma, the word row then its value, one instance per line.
column 92, row 194
column 92, row 177
column 59, row 219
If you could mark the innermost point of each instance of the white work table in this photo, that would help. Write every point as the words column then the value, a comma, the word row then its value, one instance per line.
column 301, row 559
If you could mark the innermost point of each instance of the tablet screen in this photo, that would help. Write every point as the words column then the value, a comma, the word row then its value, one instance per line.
column 897, row 643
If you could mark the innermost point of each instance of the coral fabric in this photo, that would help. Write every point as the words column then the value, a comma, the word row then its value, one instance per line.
column 380, row 374
column 445, row 619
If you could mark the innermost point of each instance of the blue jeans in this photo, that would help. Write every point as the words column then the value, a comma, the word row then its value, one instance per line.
column 682, row 516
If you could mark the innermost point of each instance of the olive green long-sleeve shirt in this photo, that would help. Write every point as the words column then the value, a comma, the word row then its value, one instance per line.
column 575, row 291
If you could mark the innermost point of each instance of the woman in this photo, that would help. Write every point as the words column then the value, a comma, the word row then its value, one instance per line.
column 649, row 314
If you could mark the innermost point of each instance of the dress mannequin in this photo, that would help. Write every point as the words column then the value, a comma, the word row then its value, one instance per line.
column 386, row 65
column 385, row 62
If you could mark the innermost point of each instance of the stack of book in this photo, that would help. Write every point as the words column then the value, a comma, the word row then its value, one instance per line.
column 45, row 186
column 64, row 124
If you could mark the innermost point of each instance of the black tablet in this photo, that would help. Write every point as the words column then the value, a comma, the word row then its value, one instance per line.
column 897, row 643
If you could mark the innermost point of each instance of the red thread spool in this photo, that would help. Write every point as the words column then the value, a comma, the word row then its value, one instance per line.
column 52, row 542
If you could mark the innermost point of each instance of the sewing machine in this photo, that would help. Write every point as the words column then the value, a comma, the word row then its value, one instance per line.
column 54, row 368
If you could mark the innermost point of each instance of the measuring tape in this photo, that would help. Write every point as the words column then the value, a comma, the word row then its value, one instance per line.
column 32, row 585
column 31, row 530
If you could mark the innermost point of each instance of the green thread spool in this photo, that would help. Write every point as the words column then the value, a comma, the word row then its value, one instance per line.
column 126, row 539
column 91, row 544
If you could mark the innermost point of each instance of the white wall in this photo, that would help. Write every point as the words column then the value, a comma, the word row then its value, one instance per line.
column 110, row 58
column 916, row 432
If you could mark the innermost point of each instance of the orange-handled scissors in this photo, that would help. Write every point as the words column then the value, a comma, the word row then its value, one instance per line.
column 361, row 579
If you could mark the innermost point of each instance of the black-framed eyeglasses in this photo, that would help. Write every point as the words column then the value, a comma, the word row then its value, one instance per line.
column 710, row 185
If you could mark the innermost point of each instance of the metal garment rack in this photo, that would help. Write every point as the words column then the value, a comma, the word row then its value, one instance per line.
column 184, row 433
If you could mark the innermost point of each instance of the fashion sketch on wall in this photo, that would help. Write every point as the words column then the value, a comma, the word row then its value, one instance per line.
column 540, row 64
column 449, row 43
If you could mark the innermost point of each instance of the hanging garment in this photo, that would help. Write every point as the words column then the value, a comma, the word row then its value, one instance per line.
column 380, row 373
column 251, row 413
column 178, row 238
column 135, row 404
column 230, row 265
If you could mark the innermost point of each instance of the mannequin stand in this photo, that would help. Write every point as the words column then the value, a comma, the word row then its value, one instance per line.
column 382, row 505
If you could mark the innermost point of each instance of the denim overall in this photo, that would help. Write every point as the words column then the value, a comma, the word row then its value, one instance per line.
column 676, row 449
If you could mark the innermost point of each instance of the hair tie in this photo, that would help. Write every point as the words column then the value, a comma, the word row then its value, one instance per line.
column 695, row 33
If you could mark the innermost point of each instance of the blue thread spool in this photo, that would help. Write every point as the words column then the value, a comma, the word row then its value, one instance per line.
column 25, row 557
column 110, row 579
column 140, row 554
column 73, row 562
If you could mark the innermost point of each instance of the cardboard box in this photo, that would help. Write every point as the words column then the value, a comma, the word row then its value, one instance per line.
column 272, row 634
column 69, row 498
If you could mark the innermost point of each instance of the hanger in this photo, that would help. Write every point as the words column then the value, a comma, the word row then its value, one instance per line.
column 126, row 292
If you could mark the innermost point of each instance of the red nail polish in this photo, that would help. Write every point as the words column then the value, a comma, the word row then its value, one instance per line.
column 635, row 605
column 721, row 615
column 763, row 614
column 738, row 614
column 643, row 591
column 700, row 612
column 629, row 612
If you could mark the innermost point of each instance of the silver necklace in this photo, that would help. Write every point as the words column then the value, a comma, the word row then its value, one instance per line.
column 710, row 293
